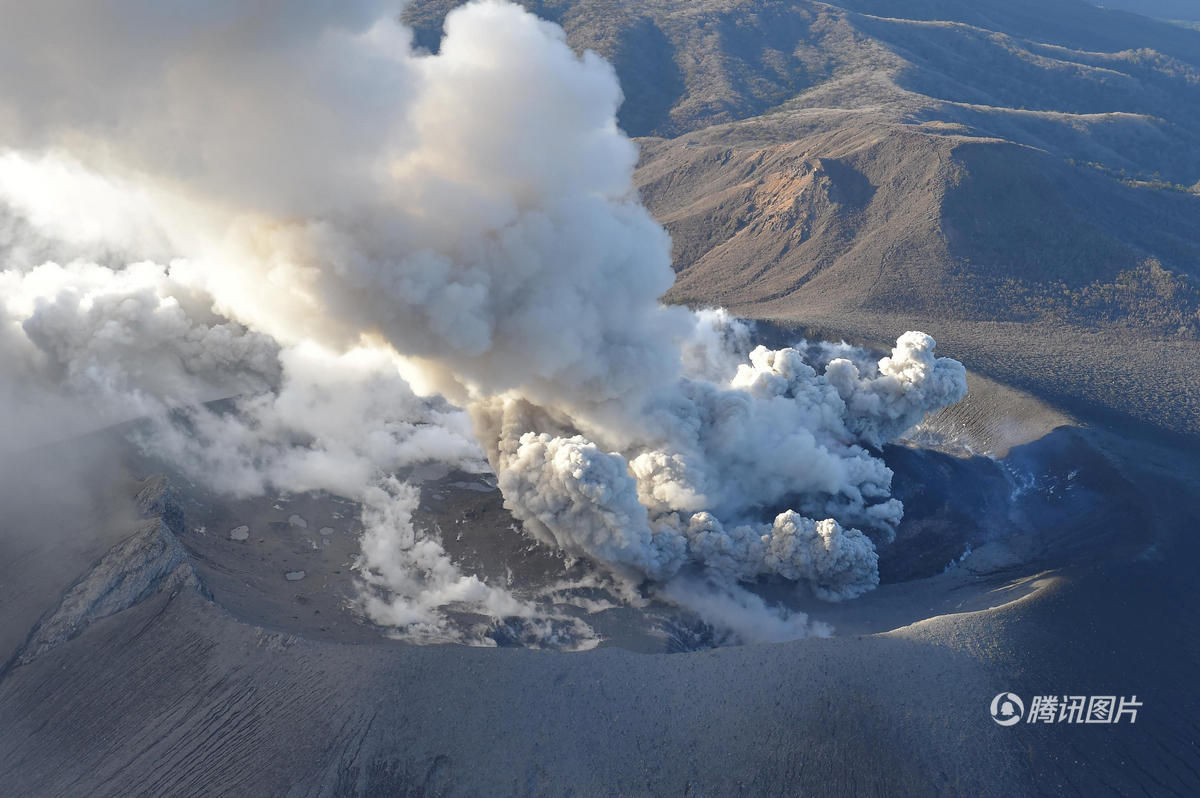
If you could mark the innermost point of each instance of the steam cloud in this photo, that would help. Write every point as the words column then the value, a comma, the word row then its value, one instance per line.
column 343, row 231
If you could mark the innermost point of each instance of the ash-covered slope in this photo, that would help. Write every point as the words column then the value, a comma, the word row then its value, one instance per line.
column 49, row 535
column 293, row 561
column 175, row 694
column 150, row 561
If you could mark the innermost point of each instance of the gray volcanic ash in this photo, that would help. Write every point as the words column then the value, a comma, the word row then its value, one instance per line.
column 392, row 221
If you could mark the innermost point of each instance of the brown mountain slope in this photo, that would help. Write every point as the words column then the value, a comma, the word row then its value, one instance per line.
column 1037, row 274
column 882, row 217
column 1017, row 178
column 1054, row 71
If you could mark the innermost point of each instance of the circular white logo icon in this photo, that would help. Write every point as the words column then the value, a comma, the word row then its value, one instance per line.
column 1007, row 709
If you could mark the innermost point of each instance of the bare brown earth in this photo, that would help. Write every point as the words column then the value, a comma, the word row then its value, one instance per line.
column 892, row 230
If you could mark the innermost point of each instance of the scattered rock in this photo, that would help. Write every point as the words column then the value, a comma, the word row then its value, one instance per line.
column 297, row 521
column 157, row 499
column 294, row 576
column 480, row 487
column 239, row 533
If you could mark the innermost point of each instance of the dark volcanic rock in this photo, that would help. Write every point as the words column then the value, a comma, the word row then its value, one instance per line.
column 150, row 561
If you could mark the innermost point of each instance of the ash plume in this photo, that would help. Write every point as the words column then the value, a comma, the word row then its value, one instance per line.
column 360, row 239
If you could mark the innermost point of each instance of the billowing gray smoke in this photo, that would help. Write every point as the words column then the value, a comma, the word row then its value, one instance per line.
column 341, row 218
column 685, row 478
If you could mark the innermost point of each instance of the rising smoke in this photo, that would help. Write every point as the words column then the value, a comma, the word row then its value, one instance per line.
column 291, row 205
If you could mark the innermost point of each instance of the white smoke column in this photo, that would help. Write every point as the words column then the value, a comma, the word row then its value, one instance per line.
column 473, row 211
column 717, row 345
column 419, row 582
column 336, row 422
column 328, row 182
column 344, row 424
column 84, row 346
column 93, row 346
column 739, row 615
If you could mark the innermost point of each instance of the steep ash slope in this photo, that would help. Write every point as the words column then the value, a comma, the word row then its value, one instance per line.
column 174, row 696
